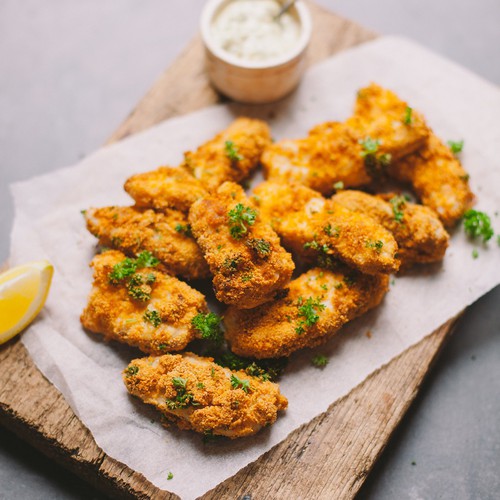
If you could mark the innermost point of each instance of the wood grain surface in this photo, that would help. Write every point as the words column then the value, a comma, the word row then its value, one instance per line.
column 329, row 457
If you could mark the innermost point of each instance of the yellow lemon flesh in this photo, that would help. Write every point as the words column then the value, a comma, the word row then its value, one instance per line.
column 23, row 291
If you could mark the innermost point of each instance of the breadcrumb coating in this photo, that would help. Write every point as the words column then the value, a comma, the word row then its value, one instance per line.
column 132, row 230
column 113, row 312
column 311, row 226
column 248, row 268
column 439, row 180
column 419, row 233
column 197, row 394
column 232, row 155
column 164, row 188
column 318, row 304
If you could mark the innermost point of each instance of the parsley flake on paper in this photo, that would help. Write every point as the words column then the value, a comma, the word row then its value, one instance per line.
column 478, row 224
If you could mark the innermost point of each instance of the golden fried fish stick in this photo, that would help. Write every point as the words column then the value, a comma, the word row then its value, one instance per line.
column 352, row 152
column 380, row 114
column 165, row 187
column 197, row 394
column 439, row 180
column 244, row 253
column 318, row 304
column 318, row 161
column 166, row 235
column 231, row 155
column 313, row 227
column 420, row 236
column 132, row 302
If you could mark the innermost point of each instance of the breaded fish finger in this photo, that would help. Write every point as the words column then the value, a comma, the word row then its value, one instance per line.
column 132, row 302
column 353, row 152
column 318, row 161
column 318, row 304
column 164, row 188
column 439, row 180
column 244, row 253
column 166, row 235
column 232, row 155
column 380, row 114
column 418, row 231
column 311, row 226
column 197, row 394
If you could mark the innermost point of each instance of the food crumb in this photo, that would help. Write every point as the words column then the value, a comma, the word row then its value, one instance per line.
column 368, row 334
column 170, row 476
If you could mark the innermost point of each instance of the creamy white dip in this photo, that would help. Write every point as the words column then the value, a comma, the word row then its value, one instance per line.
column 247, row 29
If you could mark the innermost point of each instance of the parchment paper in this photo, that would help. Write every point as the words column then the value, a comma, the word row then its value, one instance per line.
column 48, row 224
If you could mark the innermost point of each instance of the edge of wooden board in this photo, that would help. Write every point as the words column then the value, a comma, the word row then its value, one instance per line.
column 313, row 462
column 364, row 419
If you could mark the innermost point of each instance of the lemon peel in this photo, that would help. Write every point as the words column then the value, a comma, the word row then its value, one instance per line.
column 23, row 291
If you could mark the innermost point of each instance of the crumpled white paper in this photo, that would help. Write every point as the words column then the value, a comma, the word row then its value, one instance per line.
column 48, row 223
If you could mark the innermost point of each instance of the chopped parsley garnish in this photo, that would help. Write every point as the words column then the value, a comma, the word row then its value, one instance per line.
column 374, row 163
column 132, row 370
column 239, row 217
column 184, row 229
column 475, row 253
column 153, row 317
column 200, row 385
column 137, row 289
column 478, row 224
column 208, row 325
column 408, row 118
column 260, row 247
column 183, row 398
column 319, row 361
column 398, row 204
column 338, row 186
column 231, row 264
column 456, row 146
column 179, row 383
column 316, row 246
column 308, row 312
column 247, row 277
column 237, row 383
column 370, row 146
column 170, row 476
column 122, row 270
column 127, row 267
column 265, row 369
column 232, row 151
column 146, row 259
column 331, row 231
column 376, row 245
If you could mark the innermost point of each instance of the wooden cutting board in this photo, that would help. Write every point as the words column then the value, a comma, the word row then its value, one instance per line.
column 329, row 457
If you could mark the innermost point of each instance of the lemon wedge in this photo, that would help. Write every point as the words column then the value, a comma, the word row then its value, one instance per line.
column 23, row 291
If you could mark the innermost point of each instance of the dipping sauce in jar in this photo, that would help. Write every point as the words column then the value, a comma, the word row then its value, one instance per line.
column 248, row 30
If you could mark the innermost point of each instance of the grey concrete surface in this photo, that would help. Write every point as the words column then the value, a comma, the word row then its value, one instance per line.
column 71, row 71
